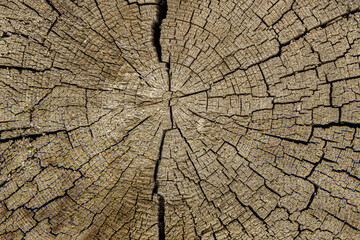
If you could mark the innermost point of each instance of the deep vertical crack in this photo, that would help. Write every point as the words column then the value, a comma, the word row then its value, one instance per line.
column 161, row 218
column 161, row 14
column 161, row 200
column 156, row 170
column 169, row 89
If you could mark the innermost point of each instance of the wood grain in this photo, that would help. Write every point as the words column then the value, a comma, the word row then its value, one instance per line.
column 168, row 119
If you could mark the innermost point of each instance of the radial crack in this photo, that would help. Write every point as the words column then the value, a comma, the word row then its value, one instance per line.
column 155, row 189
column 161, row 218
column 161, row 200
column 161, row 14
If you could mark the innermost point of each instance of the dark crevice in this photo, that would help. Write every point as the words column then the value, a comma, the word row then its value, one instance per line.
column 186, row 141
column 337, row 124
column 321, row 25
column 214, row 235
column 171, row 115
column 169, row 89
column 252, row 210
column 140, row 4
column 33, row 9
column 161, row 218
column 156, row 28
column 20, row 69
column 51, row 27
column 169, row 75
column 2, row 183
column 155, row 190
column 342, row 220
column 316, row 187
column 331, row 91
column 299, row 141
column 5, row 35
column 346, row 172
column 53, row 7
column 342, row 79
column 161, row 200
column 32, row 137
column 161, row 14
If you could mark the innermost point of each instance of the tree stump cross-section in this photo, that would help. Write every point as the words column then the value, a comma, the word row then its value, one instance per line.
column 179, row 119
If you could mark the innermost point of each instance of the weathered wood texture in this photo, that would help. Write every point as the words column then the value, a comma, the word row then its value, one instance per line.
column 179, row 119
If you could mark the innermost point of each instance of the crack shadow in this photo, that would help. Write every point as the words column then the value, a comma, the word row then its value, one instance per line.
column 160, row 16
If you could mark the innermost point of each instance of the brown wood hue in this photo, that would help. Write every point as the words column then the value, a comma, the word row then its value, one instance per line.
column 179, row 119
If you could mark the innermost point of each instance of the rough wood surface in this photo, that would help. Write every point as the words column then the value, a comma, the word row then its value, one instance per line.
column 179, row 119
